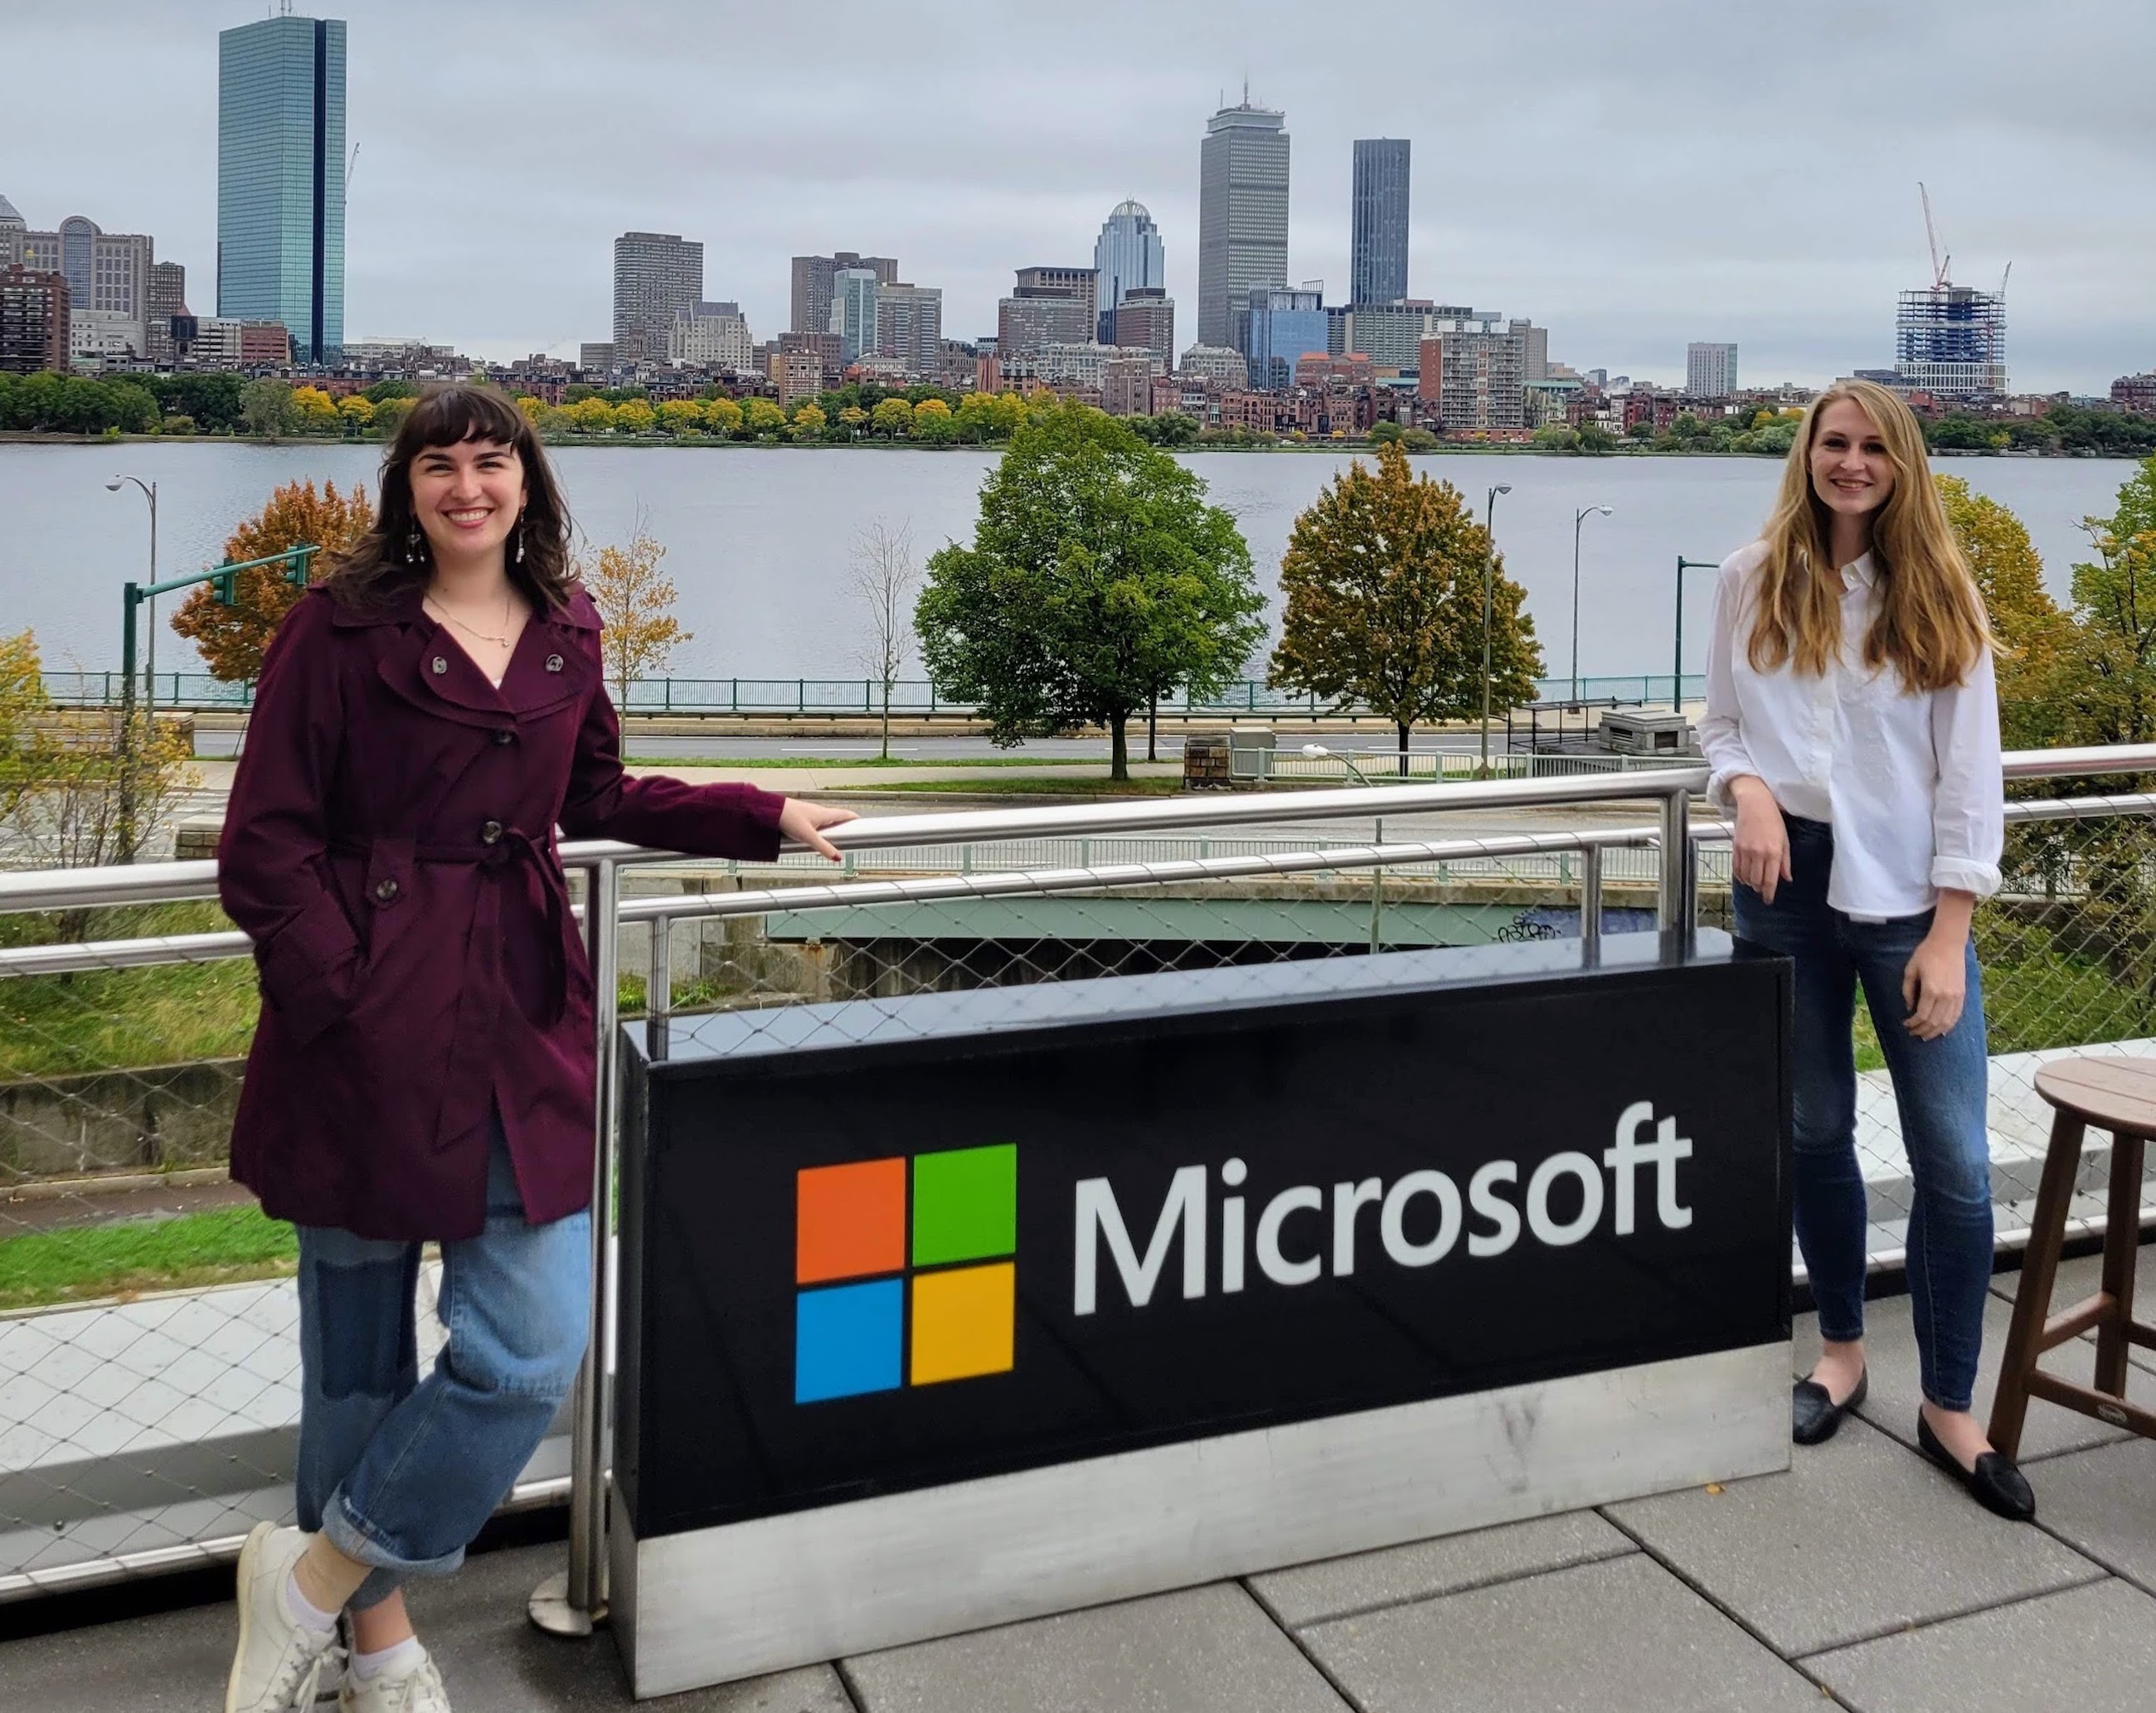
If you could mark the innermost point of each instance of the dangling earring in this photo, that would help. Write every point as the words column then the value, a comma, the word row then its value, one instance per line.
column 415, row 545
column 516, row 541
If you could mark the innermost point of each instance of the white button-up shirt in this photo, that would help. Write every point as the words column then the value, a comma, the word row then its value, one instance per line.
column 1910, row 783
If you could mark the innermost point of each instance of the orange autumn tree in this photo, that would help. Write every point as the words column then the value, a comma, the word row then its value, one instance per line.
column 231, row 639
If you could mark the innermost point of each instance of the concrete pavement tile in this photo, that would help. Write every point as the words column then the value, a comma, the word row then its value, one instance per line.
column 1890, row 1348
column 1860, row 1538
column 2093, row 1650
column 1200, row 1650
column 2104, row 1502
column 492, row 1660
column 1606, row 1637
column 1421, row 1569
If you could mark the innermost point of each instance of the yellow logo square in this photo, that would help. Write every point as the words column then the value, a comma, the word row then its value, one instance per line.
column 962, row 1322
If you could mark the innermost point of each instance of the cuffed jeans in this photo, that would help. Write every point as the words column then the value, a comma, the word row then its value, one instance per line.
column 401, row 1473
column 1939, row 1089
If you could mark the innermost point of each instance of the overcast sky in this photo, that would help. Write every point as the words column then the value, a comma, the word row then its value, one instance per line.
column 1630, row 175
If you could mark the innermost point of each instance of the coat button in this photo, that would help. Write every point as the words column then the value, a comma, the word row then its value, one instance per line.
column 441, row 665
column 385, row 891
column 505, row 736
column 490, row 833
column 553, row 663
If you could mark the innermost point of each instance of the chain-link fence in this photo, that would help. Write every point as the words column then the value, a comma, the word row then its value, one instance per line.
column 148, row 1346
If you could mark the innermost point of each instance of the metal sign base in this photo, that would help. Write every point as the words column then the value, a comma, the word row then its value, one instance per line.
column 549, row 1609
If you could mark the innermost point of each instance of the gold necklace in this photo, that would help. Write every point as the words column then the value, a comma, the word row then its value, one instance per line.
column 508, row 609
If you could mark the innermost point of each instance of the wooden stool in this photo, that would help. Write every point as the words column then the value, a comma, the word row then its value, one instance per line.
column 2118, row 1095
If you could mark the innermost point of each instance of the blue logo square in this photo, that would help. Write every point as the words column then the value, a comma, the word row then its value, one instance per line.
column 849, row 1339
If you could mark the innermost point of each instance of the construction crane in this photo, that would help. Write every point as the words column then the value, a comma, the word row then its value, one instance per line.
column 351, row 163
column 1940, row 269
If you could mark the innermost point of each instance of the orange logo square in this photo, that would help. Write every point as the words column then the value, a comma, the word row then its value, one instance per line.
column 849, row 1221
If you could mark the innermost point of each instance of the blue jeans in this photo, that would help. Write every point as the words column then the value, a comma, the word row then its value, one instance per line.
column 1939, row 1090
column 401, row 1473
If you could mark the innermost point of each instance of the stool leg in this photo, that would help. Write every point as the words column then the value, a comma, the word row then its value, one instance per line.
column 2039, row 1267
column 2122, row 1231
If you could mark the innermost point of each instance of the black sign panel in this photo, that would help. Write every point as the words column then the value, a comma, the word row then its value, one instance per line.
column 888, row 1244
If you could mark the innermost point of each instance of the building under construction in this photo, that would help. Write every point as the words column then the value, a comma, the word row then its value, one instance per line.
column 1951, row 340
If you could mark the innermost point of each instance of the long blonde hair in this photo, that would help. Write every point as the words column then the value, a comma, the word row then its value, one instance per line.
column 1931, row 625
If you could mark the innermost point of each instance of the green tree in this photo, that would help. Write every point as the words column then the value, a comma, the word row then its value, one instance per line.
column 1384, row 434
column 1594, row 438
column 382, row 389
column 760, row 417
column 633, row 416
column 1098, row 579
column 809, row 423
column 2108, row 678
column 266, row 407
column 1557, row 437
column 212, row 400
column 1383, row 580
column 892, row 417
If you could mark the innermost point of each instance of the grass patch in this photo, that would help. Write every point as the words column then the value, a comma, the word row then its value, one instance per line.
column 100, row 1020
column 1090, row 786
column 81, row 1262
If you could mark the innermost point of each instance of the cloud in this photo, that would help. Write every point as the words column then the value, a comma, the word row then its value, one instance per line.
column 1632, row 176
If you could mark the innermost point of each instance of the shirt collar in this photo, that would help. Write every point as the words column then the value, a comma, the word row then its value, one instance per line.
column 1860, row 571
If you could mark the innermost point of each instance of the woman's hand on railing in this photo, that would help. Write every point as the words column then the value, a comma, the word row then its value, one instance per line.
column 804, row 823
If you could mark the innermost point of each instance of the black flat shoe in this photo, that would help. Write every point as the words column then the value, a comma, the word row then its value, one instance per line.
column 1995, row 1484
column 1813, row 1415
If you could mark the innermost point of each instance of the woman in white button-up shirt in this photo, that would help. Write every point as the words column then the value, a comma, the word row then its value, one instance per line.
column 1852, row 724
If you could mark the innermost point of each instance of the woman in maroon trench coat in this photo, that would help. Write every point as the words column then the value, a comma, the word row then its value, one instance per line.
column 423, row 1066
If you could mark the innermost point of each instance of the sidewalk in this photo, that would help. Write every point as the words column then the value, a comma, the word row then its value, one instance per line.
column 1862, row 1580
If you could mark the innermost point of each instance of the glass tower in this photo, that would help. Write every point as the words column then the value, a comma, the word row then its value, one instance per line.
column 280, row 164
column 1127, row 258
column 1378, row 269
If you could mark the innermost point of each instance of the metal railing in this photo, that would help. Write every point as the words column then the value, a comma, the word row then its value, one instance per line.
column 1033, row 894
column 912, row 699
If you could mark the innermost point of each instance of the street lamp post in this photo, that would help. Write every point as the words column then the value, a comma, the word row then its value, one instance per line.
column 1579, row 517
column 1677, row 665
column 149, row 493
column 1489, row 573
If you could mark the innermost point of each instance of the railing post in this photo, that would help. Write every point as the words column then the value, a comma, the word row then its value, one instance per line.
column 659, row 987
column 1590, row 898
column 1673, row 902
column 570, row 1602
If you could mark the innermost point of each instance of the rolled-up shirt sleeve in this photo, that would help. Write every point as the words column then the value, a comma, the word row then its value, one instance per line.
column 1968, row 807
column 1721, row 731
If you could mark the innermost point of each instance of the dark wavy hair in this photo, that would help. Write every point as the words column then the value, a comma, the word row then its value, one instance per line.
column 393, row 557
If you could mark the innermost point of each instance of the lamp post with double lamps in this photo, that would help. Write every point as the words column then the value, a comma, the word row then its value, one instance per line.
column 1489, row 573
column 1579, row 517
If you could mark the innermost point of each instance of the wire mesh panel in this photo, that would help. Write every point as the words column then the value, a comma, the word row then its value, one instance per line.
column 148, row 1341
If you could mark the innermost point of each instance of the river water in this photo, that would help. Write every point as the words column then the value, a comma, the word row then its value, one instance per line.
column 758, row 539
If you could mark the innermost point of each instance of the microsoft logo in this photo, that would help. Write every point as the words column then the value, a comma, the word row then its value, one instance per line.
column 850, row 1223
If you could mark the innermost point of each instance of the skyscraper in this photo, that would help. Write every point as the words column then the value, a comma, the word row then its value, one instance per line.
column 108, row 279
column 1378, row 267
column 854, row 311
column 168, row 302
column 1126, row 257
column 658, row 277
column 281, row 168
column 1242, row 218
column 1710, row 370
column 812, row 285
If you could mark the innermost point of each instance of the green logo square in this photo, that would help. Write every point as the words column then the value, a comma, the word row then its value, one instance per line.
column 965, row 1204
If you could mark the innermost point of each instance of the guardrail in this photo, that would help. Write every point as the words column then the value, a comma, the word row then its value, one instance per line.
column 2084, row 861
column 913, row 698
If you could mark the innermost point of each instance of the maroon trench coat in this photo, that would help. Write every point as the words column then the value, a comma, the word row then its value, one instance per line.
column 390, row 848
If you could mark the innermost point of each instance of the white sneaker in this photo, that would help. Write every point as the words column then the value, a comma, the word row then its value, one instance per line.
column 278, row 1658
column 418, row 1691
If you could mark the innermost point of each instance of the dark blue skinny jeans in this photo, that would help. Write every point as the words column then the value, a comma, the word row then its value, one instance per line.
column 1939, row 1090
